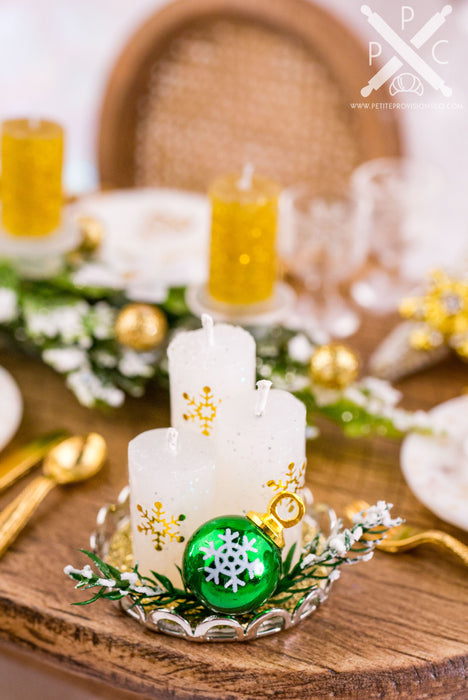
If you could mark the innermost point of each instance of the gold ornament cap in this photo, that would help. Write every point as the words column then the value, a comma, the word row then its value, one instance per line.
column 271, row 523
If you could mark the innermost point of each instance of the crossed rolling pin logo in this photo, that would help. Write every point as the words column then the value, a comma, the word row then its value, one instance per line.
column 406, row 54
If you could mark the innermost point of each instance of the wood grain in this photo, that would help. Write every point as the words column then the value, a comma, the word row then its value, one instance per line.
column 393, row 627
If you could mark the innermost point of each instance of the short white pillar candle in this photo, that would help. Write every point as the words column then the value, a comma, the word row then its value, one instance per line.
column 260, row 451
column 172, row 491
column 206, row 367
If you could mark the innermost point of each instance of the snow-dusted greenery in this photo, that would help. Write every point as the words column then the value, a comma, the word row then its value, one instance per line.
column 113, row 584
column 318, row 563
column 343, row 546
column 72, row 329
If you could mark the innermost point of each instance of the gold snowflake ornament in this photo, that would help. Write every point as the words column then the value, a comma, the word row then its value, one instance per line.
column 442, row 314
column 202, row 409
column 156, row 524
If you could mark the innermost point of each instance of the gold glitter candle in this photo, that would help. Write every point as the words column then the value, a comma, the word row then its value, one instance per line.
column 31, row 186
column 243, row 236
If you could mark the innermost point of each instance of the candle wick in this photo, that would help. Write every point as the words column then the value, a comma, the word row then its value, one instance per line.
column 207, row 323
column 245, row 182
column 172, row 440
column 263, row 389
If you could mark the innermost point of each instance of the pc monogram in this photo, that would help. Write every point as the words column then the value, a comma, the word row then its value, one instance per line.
column 416, row 72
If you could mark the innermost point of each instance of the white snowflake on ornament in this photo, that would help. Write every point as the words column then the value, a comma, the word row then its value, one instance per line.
column 231, row 560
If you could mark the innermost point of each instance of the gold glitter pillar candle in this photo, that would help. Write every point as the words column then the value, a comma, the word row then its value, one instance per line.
column 243, row 236
column 31, row 186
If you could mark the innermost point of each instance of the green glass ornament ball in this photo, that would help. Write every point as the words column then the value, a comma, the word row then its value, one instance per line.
column 231, row 565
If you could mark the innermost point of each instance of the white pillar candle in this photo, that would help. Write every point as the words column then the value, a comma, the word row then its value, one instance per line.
column 260, row 450
column 206, row 367
column 172, row 491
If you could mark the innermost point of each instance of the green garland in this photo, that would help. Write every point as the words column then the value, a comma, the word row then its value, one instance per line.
column 72, row 329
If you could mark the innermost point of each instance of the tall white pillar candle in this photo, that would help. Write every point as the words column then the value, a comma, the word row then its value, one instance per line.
column 206, row 367
column 260, row 450
column 172, row 491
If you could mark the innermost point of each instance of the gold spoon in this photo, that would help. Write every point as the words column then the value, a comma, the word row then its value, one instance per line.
column 75, row 459
column 18, row 463
column 404, row 537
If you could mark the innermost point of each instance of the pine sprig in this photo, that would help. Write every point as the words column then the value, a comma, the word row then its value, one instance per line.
column 148, row 591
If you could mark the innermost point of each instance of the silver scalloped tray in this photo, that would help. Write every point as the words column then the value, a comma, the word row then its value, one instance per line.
column 113, row 523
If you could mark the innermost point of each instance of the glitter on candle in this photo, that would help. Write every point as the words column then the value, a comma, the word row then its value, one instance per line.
column 32, row 156
column 263, row 389
column 243, row 263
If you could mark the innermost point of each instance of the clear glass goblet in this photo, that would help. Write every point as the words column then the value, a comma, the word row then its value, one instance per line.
column 398, row 203
column 324, row 250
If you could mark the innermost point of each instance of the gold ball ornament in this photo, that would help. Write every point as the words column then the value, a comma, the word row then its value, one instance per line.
column 92, row 234
column 334, row 366
column 141, row 327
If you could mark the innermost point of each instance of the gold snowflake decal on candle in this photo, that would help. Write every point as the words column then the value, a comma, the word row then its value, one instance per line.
column 294, row 480
column 156, row 524
column 442, row 314
column 202, row 409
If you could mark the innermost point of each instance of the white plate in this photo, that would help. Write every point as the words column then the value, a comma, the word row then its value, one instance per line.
column 436, row 468
column 11, row 407
column 154, row 239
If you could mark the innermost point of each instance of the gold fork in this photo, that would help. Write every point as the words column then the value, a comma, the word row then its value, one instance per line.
column 404, row 537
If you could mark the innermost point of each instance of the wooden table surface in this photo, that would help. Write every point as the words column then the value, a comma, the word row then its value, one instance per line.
column 393, row 627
